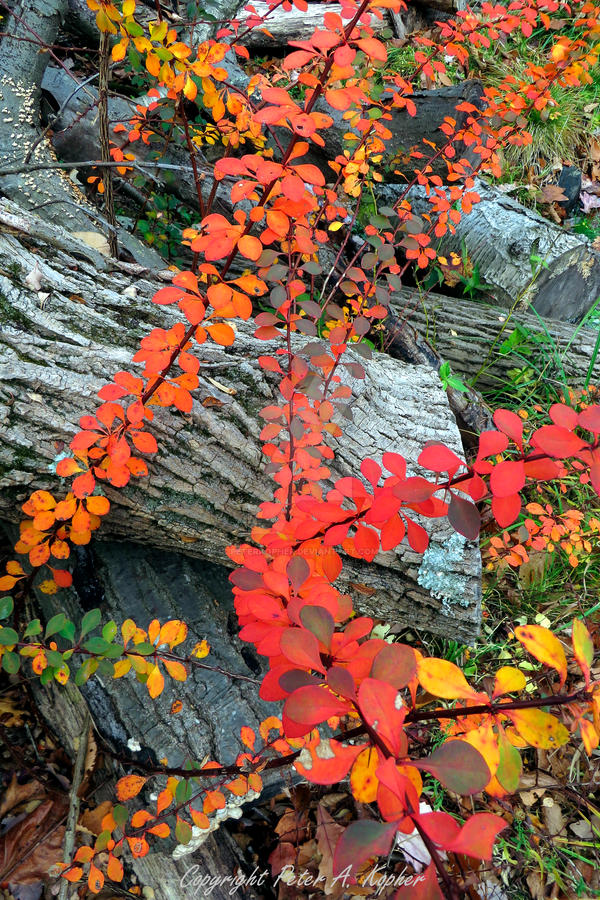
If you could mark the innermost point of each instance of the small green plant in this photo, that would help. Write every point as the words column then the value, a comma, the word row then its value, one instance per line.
column 451, row 381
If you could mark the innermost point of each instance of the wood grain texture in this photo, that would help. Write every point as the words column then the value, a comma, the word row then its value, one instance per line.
column 207, row 481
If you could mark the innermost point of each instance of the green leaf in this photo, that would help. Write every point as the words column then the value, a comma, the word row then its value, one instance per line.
column 510, row 767
column 120, row 814
column 183, row 791
column 109, row 631
column 143, row 649
column 102, row 840
column 33, row 628
column 8, row 636
column 458, row 766
column 183, row 832
column 56, row 624
column 96, row 645
column 6, row 607
column 86, row 671
column 47, row 675
column 11, row 662
column 68, row 632
column 54, row 658
column 90, row 621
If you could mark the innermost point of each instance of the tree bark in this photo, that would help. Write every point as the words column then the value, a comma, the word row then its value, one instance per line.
column 504, row 240
column 467, row 334
column 207, row 481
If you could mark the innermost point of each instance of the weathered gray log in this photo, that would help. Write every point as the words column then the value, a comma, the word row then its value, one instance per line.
column 504, row 240
column 207, row 481
column 281, row 25
column 58, row 199
column 420, row 132
column 464, row 333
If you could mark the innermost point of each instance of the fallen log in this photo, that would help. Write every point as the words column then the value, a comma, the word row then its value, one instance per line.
column 470, row 336
column 58, row 199
column 207, row 482
column 505, row 241
column 282, row 25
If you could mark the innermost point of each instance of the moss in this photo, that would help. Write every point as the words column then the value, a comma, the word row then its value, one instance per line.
column 11, row 316
column 437, row 572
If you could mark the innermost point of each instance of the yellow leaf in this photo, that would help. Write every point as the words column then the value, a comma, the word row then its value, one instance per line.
column 121, row 668
column 201, row 650
column 363, row 780
column 508, row 680
column 155, row 682
column 173, row 632
column 539, row 728
column 443, row 679
column 128, row 7
column 119, row 50
column 546, row 648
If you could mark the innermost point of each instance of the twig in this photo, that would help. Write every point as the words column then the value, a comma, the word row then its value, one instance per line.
column 78, row 773
column 104, row 138
column 89, row 163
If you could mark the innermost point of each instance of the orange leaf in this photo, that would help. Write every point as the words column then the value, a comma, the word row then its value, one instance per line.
column 221, row 333
column 545, row 646
column 129, row 787
column 175, row 669
column 98, row 506
column 95, row 879
column 250, row 247
column 443, row 679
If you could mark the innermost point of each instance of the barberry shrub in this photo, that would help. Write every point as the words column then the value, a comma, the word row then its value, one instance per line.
column 354, row 705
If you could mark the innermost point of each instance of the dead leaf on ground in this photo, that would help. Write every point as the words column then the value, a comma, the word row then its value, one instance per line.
column 552, row 193
column 328, row 834
column 91, row 820
column 10, row 714
column 34, row 844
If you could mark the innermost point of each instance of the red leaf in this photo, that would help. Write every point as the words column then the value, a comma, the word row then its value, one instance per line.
column 392, row 533
column 366, row 543
column 421, row 887
column 477, row 836
column 417, row 536
column 84, row 485
column 361, row 840
column 415, row 489
column 301, row 648
column 507, row 478
column 564, row 416
column 312, row 705
column 383, row 711
column 438, row 458
column 373, row 48
column 506, row 509
column 510, row 423
column 331, row 766
column 395, row 464
column 590, row 419
column 396, row 664
column 492, row 442
column 557, row 442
